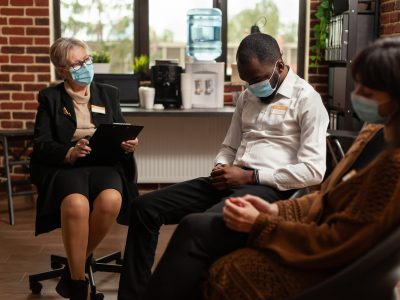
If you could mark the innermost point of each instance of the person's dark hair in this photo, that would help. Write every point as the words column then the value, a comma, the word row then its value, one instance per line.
column 260, row 45
column 378, row 66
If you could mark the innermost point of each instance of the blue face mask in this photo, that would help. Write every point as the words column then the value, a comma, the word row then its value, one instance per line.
column 367, row 109
column 263, row 88
column 84, row 75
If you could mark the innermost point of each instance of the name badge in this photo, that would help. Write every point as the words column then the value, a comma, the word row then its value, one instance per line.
column 279, row 109
column 99, row 109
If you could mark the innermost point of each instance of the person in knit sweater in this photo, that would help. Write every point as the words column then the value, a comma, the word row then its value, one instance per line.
column 79, row 194
column 288, row 246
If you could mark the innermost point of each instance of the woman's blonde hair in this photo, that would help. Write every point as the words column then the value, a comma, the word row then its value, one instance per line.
column 60, row 49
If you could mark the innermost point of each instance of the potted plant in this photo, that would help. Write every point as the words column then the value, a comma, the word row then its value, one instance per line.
column 321, row 32
column 141, row 66
column 101, row 61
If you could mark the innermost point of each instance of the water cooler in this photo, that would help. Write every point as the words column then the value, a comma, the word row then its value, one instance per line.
column 206, row 76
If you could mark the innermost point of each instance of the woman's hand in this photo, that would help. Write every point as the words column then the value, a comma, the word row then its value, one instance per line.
column 239, row 214
column 262, row 205
column 81, row 149
column 130, row 145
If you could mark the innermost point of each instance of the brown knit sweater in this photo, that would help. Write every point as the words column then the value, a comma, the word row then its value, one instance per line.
column 315, row 235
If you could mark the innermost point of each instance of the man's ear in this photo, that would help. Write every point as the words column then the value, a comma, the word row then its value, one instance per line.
column 280, row 65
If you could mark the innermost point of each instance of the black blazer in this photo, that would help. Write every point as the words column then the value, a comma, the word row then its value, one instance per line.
column 54, row 127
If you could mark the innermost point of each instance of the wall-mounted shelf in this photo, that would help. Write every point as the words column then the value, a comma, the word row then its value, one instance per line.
column 353, row 26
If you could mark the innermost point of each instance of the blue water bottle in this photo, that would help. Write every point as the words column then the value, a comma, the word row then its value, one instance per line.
column 204, row 33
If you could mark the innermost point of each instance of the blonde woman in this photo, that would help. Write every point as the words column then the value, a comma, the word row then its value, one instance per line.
column 82, row 196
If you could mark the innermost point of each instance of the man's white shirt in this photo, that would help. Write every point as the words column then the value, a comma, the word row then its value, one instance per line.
column 285, row 139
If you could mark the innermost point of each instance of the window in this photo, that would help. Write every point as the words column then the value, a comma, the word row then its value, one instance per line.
column 168, row 30
column 106, row 25
column 157, row 28
column 275, row 17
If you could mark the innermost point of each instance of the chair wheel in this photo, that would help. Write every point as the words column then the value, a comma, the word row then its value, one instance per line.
column 98, row 296
column 36, row 287
column 56, row 265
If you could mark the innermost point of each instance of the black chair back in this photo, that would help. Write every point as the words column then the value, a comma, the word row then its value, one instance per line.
column 373, row 276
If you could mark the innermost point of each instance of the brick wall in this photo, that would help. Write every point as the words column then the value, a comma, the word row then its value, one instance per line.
column 390, row 18
column 318, row 77
column 24, row 66
column 24, row 59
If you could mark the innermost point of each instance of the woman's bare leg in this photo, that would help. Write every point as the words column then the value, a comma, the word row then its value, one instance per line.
column 75, row 211
column 106, row 208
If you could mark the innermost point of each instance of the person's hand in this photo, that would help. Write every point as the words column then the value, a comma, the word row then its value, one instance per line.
column 129, row 145
column 81, row 149
column 262, row 205
column 226, row 177
column 239, row 214
column 218, row 167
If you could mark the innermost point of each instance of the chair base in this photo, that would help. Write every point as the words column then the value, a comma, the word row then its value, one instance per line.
column 58, row 263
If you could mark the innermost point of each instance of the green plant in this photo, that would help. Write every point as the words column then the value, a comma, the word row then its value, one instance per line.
column 101, row 57
column 320, row 30
column 141, row 64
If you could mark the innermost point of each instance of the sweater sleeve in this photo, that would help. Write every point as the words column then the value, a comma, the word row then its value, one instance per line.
column 295, row 210
column 369, row 212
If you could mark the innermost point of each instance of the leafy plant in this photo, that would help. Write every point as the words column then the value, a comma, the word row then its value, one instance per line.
column 101, row 57
column 141, row 64
column 320, row 30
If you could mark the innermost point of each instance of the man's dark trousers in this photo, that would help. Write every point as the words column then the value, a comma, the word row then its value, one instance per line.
column 169, row 206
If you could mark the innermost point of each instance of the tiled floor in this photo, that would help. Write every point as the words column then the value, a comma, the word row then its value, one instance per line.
column 21, row 253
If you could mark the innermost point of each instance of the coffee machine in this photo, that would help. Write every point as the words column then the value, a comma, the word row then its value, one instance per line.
column 166, row 79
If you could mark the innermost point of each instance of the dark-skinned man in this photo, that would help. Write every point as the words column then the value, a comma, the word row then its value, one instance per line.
column 275, row 144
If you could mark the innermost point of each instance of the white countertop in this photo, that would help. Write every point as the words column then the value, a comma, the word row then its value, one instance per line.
column 226, row 110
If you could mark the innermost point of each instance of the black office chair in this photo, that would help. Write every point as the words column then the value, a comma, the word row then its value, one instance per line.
column 300, row 192
column 58, row 263
column 102, row 264
column 334, row 144
column 373, row 276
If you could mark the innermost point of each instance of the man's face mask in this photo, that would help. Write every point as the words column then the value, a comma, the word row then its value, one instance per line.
column 367, row 109
column 263, row 89
column 84, row 75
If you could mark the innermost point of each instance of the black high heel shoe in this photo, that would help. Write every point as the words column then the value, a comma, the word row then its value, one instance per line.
column 79, row 289
column 63, row 287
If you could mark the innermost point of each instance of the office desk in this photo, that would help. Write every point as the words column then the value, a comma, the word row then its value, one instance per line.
column 177, row 145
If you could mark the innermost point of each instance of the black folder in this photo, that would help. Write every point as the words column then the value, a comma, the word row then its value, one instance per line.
column 107, row 139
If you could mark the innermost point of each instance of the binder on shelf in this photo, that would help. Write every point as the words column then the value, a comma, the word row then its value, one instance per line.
column 337, row 41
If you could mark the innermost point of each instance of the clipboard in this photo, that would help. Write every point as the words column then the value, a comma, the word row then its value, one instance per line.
column 106, row 140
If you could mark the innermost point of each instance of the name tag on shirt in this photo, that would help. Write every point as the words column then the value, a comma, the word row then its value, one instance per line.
column 279, row 109
column 99, row 109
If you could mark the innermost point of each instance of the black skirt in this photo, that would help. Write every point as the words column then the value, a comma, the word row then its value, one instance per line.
column 88, row 181
column 54, row 183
